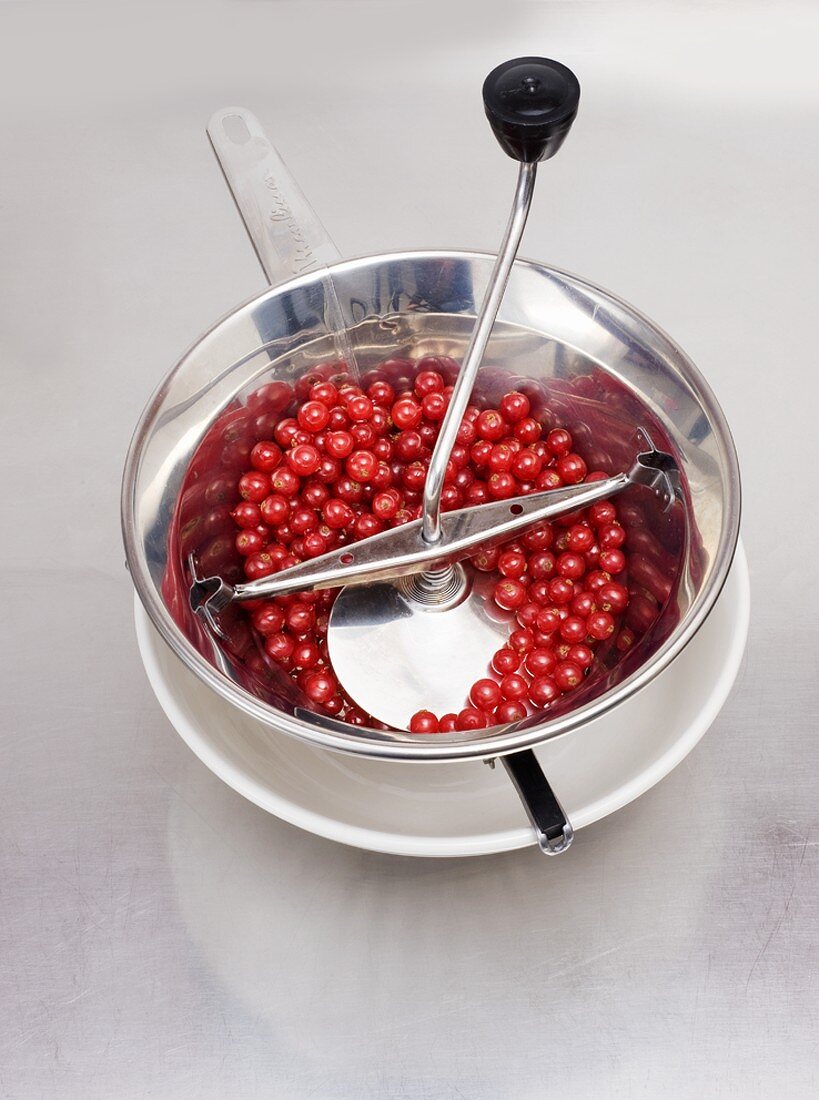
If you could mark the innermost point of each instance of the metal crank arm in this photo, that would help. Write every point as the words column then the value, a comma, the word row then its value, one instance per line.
column 403, row 551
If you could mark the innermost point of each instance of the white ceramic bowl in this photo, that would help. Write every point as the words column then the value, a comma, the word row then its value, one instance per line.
column 459, row 808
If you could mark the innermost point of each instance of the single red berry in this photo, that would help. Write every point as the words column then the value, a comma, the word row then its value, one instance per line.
column 268, row 619
column 602, row 513
column 567, row 675
column 254, row 486
column 338, row 444
column 539, row 592
column 386, row 503
column 548, row 479
column 559, row 442
column 247, row 515
column 491, row 426
column 303, row 520
column 314, row 493
column 305, row 655
column 611, row 536
column 528, row 431
column 612, row 561
column 414, row 476
column 573, row 629
column 364, row 434
column 423, row 721
column 451, row 498
column 315, row 544
column 466, row 433
column 526, row 465
column 328, row 471
column 476, row 494
column 581, row 655
column 273, row 396
column 381, row 393
column 427, row 382
column 600, row 625
column 367, row 525
column 337, row 514
column 325, row 392
column 561, row 590
column 434, row 406
column 514, row 406
column 260, row 565
column 285, row 430
column 249, row 542
column 502, row 486
column 485, row 694
column 580, row 538
column 613, row 597
column 513, row 686
column 506, row 660
column 542, row 565
column 501, row 458
column 359, row 408
column 540, row 661
column 596, row 580
column 510, row 710
column 521, row 641
column 408, row 445
column 304, row 459
column 279, row 647
column 542, row 691
column 406, row 413
column 274, row 509
column 448, row 723
column 570, row 565
column 470, row 718
column 527, row 615
column 539, row 537
column 321, row 687
column 285, row 480
column 265, row 456
column 548, row 621
column 512, row 563
column 313, row 416
column 510, row 594
column 583, row 604
column 571, row 468
column 300, row 619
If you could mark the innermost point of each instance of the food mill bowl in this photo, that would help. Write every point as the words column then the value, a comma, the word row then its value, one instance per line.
column 585, row 359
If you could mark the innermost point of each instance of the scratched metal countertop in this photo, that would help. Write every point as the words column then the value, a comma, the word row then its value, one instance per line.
column 158, row 934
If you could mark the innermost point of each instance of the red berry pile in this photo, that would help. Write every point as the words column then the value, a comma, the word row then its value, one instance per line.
column 345, row 462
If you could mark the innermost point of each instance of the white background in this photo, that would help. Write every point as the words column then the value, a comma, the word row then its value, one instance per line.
column 160, row 936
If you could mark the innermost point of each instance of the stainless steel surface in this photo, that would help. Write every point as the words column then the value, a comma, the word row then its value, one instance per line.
column 475, row 351
column 161, row 936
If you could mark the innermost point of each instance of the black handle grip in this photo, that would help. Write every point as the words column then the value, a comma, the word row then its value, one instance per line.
column 531, row 103
column 552, row 828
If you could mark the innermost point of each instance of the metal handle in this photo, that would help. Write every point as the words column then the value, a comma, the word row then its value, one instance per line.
column 474, row 353
column 531, row 103
column 283, row 228
column 553, row 829
column 288, row 238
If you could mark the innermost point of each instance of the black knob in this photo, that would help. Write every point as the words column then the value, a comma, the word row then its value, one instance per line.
column 531, row 103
